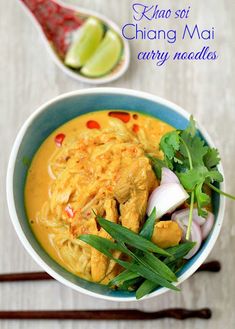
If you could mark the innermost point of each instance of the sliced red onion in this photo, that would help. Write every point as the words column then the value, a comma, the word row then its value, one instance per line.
column 195, row 236
column 207, row 227
column 166, row 198
column 206, row 224
column 184, row 213
column 169, row 177
column 183, row 224
column 198, row 219
column 180, row 214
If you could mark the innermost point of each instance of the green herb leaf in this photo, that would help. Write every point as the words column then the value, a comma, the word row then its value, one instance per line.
column 122, row 234
column 157, row 165
column 191, row 129
column 198, row 175
column 203, row 199
column 215, row 176
column 178, row 252
column 151, row 276
column 217, row 190
column 194, row 180
column 196, row 147
column 191, row 177
column 130, row 285
column 148, row 260
column 145, row 288
column 211, row 158
column 147, row 229
column 158, row 266
column 122, row 277
column 146, row 232
column 194, row 163
column 170, row 144
column 103, row 246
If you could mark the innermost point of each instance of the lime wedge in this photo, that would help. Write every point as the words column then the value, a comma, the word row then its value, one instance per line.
column 86, row 42
column 106, row 56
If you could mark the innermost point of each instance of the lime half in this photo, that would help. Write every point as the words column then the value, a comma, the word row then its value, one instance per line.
column 106, row 56
column 85, row 44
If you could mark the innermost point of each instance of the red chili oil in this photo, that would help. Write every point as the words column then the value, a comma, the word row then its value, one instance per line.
column 92, row 124
column 123, row 116
column 135, row 116
column 56, row 21
column 135, row 128
column 59, row 139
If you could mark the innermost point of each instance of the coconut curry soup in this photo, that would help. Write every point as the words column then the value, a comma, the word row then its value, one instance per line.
column 104, row 166
column 93, row 163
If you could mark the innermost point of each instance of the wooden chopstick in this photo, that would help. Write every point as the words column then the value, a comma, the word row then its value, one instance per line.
column 26, row 276
column 174, row 313
column 213, row 266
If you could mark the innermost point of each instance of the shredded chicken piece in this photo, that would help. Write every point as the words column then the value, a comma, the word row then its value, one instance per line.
column 135, row 183
column 99, row 262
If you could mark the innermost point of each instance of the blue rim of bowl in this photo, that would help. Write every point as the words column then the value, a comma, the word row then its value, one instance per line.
column 36, row 252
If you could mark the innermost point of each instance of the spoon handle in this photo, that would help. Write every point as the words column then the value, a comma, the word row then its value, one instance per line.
column 56, row 21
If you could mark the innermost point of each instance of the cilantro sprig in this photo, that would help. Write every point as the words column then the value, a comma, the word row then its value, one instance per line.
column 195, row 164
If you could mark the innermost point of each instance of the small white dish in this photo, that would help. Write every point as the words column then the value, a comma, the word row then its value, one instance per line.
column 117, row 71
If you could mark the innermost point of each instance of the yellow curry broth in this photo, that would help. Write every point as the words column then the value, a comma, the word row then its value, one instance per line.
column 41, row 185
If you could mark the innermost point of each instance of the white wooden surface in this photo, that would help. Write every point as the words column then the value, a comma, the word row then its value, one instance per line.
column 28, row 78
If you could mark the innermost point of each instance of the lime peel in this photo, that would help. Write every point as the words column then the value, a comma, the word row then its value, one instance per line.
column 105, row 57
column 85, row 44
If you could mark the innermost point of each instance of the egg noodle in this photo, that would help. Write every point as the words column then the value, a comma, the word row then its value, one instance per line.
column 98, row 171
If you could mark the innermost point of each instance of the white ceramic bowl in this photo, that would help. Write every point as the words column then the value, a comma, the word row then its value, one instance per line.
column 42, row 123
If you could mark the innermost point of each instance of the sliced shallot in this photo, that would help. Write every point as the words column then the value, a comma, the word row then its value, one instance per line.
column 206, row 228
column 169, row 177
column 166, row 198
column 195, row 236
column 205, row 224
column 184, row 213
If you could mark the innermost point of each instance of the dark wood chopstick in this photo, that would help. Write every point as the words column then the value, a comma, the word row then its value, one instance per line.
column 26, row 276
column 213, row 266
column 174, row 313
